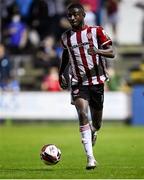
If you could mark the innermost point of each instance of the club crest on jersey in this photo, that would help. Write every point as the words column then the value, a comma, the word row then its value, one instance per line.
column 89, row 35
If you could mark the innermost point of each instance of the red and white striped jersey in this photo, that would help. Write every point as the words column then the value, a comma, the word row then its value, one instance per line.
column 86, row 69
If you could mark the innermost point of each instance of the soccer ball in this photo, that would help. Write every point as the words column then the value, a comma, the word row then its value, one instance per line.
column 50, row 154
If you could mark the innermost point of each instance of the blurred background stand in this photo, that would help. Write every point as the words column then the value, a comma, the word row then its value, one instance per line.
column 140, row 4
column 138, row 104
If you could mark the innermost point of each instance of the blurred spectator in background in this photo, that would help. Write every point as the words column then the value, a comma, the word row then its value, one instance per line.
column 16, row 34
column 56, row 17
column 39, row 18
column 48, row 18
column 51, row 81
column 99, row 12
column 90, row 18
column 6, row 10
column 111, row 16
column 5, row 66
column 46, row 55
column 24, row 8
column 92, row 11
column 7, row 82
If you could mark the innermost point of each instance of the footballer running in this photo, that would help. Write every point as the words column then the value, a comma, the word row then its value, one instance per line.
column 85, row 49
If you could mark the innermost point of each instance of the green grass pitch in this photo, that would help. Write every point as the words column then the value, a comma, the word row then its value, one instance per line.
column 119, row 151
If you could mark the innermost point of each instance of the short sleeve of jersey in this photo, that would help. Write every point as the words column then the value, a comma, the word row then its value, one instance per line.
column 103, row 38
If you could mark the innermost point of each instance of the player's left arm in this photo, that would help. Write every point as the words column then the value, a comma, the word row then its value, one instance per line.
column 104, row 43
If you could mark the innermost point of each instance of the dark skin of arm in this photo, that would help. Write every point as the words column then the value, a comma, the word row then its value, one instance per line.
column 106, row 52
column 64, row 63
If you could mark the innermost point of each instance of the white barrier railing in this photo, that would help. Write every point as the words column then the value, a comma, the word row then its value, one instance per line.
column 46, row 105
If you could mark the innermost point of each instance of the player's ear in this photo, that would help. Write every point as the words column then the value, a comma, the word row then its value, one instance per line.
column 84, row 14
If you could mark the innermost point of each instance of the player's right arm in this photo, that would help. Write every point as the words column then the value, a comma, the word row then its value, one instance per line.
column 65, row 60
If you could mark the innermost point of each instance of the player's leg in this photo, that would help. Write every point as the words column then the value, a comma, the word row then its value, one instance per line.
column 85, row 130
column 96, row 109
column 96, row 116
column 82, row 110
column 96, row 123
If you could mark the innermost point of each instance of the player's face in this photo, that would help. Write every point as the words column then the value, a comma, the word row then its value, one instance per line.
column 75, row 17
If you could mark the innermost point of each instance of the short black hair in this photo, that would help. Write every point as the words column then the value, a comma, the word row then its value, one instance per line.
column 76, row 5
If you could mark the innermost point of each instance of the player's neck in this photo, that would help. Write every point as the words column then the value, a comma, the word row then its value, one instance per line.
column 80, row 28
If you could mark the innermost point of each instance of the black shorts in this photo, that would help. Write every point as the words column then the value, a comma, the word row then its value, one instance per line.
column 93, row 94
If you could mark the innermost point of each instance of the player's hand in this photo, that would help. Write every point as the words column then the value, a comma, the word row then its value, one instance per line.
column 93, row 51
column 63, row 83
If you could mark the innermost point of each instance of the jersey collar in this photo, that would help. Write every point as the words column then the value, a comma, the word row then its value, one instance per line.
column 80, row 29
